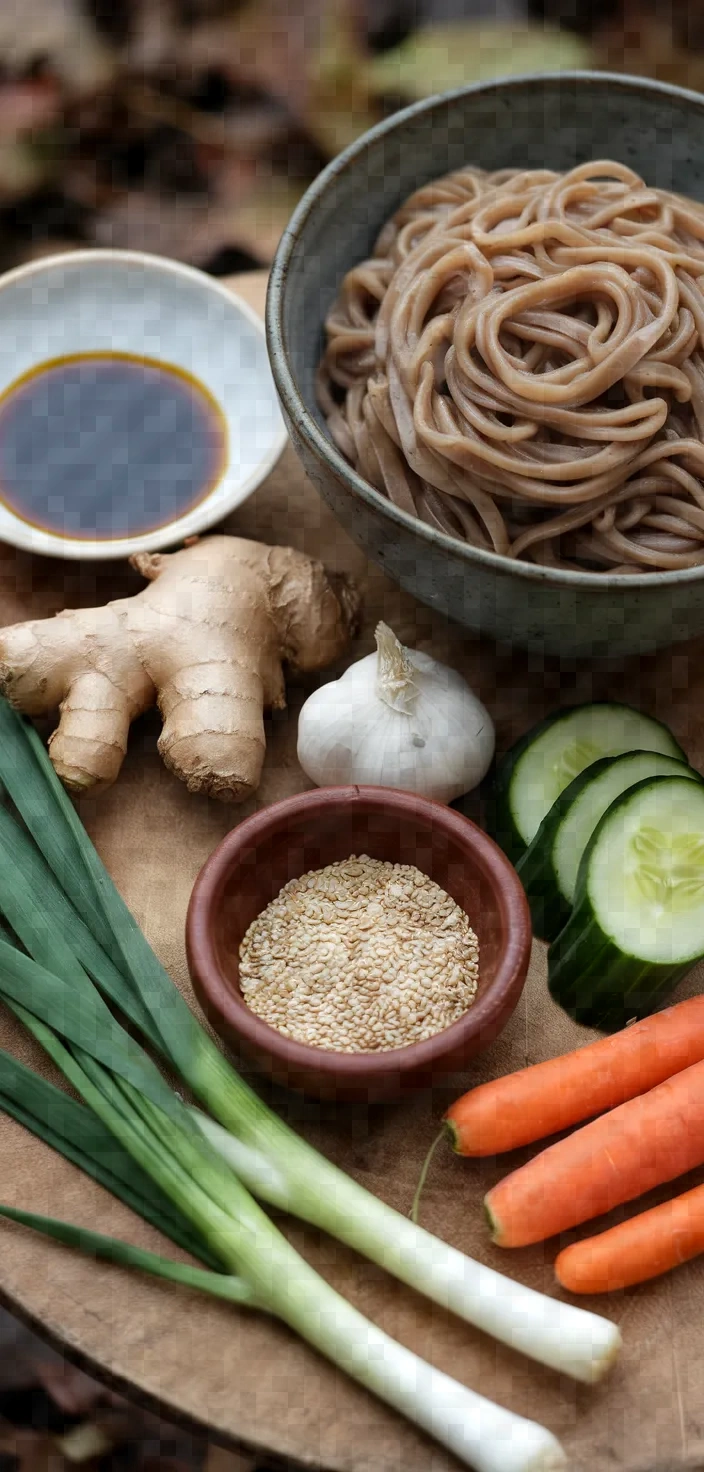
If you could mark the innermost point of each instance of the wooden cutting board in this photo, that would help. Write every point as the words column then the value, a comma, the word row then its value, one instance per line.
column 246, row 1378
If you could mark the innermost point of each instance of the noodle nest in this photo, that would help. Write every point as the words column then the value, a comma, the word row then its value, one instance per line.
column 521, row 365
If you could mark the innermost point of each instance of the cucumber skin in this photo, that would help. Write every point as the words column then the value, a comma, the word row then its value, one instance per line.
column 584, row 954
column 549, row 909
column 599, row 986
column 500, row 821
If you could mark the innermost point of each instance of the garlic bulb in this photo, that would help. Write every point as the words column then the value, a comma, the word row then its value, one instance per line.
column 397, row 719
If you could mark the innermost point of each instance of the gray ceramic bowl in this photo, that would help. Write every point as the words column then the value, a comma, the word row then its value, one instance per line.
column 540, row 121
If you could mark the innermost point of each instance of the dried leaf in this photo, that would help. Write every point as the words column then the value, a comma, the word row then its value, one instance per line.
column 645, row 44
column 30, row 117
column 84, row 1443
column 311, row 56
column 71, row 1390
column 339, row 103
column 34, row 1451
column 439, row 58
column 259, row 223
column 58, row 29
column 266, row 45
column 27, row 106
column 194, row 230
column 22, row 169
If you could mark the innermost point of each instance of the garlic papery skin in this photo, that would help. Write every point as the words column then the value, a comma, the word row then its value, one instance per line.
column 397, row 718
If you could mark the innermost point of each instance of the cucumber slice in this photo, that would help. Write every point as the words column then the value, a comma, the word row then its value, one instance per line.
column 638, row 920
column 550, row 865
column 540, row 766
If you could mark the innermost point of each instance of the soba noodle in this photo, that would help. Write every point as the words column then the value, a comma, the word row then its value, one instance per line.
column 521, row 364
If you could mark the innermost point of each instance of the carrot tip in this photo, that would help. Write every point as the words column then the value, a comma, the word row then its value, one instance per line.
column 564, row 1280
column 493, row 1224
column 453, row 1135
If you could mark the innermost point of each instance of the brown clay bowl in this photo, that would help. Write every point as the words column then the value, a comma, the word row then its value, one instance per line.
column 315, row 828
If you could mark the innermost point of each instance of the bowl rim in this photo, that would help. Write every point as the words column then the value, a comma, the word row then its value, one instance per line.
column 308, row 429
column 44, row 543
column 355, row 1067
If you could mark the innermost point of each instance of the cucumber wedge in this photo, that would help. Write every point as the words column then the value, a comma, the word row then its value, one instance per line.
column 540, row 766
column 550, row 865
column 638, row 920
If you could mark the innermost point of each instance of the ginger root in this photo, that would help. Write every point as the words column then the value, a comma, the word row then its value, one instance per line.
column 205, row 641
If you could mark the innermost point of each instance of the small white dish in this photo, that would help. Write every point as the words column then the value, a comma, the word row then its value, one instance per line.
column 126, row 302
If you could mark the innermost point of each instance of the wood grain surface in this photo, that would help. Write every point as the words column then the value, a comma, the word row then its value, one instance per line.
column 248, row 1379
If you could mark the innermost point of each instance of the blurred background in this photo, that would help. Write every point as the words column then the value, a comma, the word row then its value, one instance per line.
column 190, row 128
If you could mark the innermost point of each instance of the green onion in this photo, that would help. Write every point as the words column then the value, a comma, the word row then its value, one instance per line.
column 76, row 1133
column 479, row 1432
column 568, row 1339
column 268, row 1157
column 263, row 1270
column 58, row 935
column 111, row 1249
column 77, row 1011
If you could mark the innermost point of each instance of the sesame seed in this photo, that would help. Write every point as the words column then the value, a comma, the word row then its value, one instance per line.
column 360, row 956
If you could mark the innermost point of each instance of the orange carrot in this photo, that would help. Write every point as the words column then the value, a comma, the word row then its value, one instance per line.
column 624, row 1153
column 634, row 1251
column 539, row 1101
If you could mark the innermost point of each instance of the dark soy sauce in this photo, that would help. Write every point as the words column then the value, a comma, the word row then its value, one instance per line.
column 107, row 445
